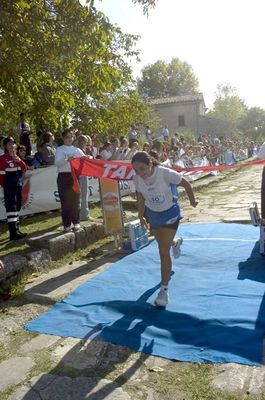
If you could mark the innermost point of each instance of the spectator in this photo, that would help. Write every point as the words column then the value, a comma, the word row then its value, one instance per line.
column 95, row 147
column 158, row 147
column 39, row 141
column 123, row 150
column 106, row 151
column 147, row 134
column 81, row 143
column 69, row 198
column 133, row 149
column 28, row 160
column 89, row 147
column 23, row 132
column 58, row 141
column 165, row 132
column 1, row 145
column 115, row 148
column 76, row 133
column 146, row 147
column 11, row 177
column 261, row 152
column 47, row 150
column 132, row 135
column 216, row 141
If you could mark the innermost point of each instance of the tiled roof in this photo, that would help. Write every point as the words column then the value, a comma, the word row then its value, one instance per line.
column 177, row 99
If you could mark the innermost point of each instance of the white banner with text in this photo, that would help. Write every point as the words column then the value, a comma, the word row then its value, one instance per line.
column 40, row 192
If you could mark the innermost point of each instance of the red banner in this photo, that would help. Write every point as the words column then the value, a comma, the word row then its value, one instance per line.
column 123, row 171
column 100, row 169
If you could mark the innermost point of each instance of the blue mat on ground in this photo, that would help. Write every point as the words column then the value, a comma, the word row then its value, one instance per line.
column 216, row 311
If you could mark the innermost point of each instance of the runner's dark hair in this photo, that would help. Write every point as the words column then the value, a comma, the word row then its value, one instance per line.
column 145, row 158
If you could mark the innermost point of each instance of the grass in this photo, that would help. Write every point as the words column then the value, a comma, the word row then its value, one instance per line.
column 190, row 381
column 7, row 393
column 43, row 364
column 35, row 225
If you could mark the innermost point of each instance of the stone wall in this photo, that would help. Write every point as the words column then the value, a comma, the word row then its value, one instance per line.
column 48, row 247
column 169, row 114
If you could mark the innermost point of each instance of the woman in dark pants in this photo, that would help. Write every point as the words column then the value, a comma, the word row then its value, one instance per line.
column 69, row 198
column 11, row 175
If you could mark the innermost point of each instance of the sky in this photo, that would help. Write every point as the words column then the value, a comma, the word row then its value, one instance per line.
column 223, row 40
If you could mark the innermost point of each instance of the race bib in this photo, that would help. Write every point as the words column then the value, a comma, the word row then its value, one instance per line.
column 156, row 198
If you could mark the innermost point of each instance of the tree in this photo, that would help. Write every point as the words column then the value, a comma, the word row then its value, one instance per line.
column 117, row 114
column 60, row 60
column 254, row 121
column 228, row 105
column 163, row 79
column 146, row 4
column 130, row 109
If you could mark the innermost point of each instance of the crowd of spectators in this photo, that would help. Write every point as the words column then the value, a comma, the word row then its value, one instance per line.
column 173, row 149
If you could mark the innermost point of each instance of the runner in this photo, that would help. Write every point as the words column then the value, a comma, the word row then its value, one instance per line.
column 153, row 184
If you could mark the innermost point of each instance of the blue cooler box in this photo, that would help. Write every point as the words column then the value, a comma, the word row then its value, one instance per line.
column 137, row 235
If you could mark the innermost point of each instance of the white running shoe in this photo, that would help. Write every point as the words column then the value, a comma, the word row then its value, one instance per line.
column 91, row 219
column 76, row 227
column 176, row 247
column 67, row 229
column 162, row 298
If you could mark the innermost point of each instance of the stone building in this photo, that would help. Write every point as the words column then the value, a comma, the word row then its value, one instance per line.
column 188, row 113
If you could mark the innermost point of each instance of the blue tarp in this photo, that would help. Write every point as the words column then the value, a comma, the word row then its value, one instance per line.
column 216, row 311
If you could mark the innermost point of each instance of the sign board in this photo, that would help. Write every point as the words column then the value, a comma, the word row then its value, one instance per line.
column 111, row 205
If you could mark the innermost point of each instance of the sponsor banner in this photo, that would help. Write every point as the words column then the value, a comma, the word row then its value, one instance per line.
column 111, row 205
column 40, row 192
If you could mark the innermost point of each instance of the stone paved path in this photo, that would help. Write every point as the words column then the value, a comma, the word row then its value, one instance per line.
column 35, row 366
column 229, row 199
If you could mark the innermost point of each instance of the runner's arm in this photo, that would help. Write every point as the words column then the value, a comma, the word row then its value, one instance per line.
column 188, row 189
column 141, row 208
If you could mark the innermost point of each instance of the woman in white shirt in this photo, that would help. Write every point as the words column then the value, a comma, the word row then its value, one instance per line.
column 123, row 150
column 106, row 151
column 133, row 150
column 156, row 192
column 69, row 198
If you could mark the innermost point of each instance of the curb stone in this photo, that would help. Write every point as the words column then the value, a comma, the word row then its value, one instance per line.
column 47, row 247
